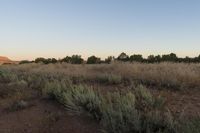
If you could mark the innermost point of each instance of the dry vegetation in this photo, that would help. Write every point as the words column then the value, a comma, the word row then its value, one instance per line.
column 170, row 75
column 130, row 108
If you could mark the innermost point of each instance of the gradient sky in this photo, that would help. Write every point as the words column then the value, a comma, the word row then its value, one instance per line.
column 56, row 28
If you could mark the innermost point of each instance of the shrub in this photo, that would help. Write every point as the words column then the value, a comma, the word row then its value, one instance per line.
column 119, row 114
column 75, row 98
column 116, row 112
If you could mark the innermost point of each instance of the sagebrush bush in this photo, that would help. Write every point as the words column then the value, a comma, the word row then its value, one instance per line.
column 118, row 113
column 74, row 98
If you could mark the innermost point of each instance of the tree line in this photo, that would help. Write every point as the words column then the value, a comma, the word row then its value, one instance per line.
column 123, row 57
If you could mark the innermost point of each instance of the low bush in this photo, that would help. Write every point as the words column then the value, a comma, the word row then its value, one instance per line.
column 118, row 113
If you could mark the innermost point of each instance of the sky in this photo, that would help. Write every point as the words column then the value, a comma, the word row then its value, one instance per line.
column 57, row 28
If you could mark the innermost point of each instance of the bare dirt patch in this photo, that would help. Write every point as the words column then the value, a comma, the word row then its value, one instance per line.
column 45, row 117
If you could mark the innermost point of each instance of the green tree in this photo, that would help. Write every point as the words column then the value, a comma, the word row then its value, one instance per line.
column 158, row 58
column 67, row 59
column 169, row 57
column 136, row 57
column 46, row 61
column 109, row 59
column 198, row 58
column 151, row 59
column 53, row 60
column 123, row 57
column 40, row 60
column 93, row 60
column 76, row 59
column 187, row 59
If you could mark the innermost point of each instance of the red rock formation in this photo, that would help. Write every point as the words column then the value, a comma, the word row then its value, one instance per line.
column 5, row 60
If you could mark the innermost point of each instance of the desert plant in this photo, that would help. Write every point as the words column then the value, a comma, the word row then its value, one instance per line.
column 116, row 112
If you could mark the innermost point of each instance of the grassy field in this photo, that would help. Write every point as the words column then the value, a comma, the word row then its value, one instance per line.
column 116, row 98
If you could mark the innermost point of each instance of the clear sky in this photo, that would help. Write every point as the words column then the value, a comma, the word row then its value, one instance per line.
column 56, row 28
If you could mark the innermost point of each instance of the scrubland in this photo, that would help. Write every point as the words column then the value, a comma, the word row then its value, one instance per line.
column 119, row 97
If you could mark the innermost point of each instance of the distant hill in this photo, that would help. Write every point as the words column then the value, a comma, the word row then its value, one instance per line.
column 6, row 60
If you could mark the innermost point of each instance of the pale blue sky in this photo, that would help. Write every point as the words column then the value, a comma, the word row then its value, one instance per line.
column 56, row 28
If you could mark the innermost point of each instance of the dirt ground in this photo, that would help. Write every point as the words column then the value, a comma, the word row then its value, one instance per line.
column 186, row 102
column 45, row 116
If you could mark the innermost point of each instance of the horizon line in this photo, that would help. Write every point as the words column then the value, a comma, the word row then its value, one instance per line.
column 86, row 57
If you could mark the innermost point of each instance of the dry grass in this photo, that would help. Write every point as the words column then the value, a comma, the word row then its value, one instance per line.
column 133, row 111
column 170, row 75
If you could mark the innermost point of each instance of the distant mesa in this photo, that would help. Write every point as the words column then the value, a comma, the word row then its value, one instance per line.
column 6, row 60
